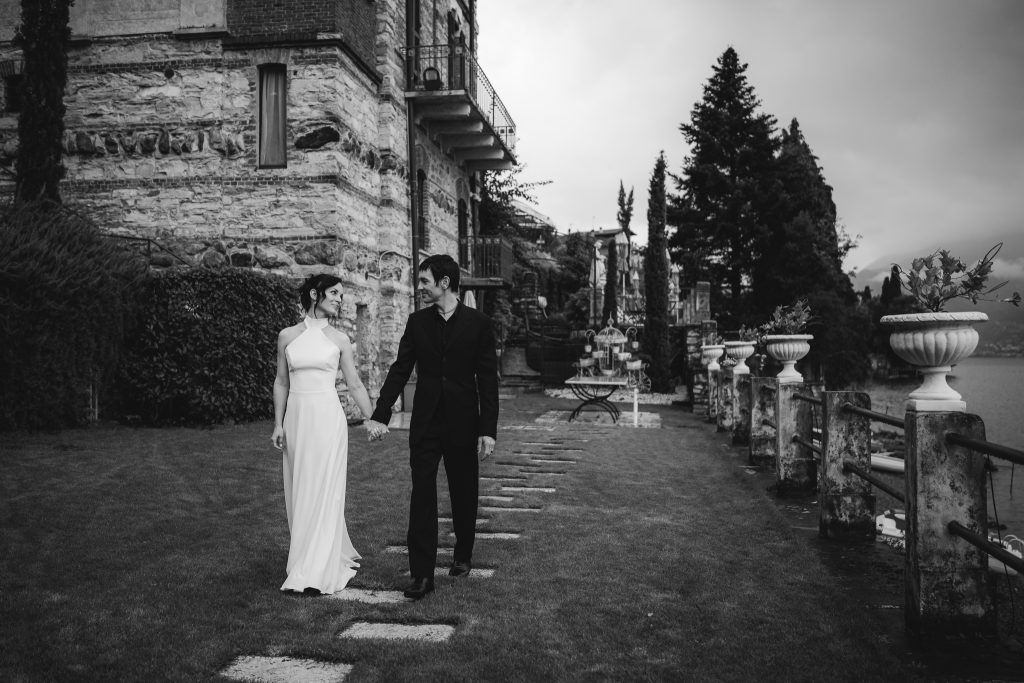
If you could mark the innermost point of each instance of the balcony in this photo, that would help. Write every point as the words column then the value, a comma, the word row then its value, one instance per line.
column 457, row 105
column 491, row 260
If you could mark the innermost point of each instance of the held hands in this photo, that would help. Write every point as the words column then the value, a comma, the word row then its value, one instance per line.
column 277, row 438
column 375, row 430
column 484, row 447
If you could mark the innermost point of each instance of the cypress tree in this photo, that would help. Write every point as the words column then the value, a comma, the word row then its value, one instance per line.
column 43, row 38
column 610, row 312
column 625, row 214
column 656, row 328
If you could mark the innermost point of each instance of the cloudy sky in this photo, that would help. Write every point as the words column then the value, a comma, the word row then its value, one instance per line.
column 915, row 108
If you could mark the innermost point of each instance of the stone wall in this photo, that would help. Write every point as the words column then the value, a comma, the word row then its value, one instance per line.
column 161, row 145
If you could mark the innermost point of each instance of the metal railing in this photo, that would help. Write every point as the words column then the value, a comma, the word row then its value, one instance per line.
column 454, row 68
column 987, row 448
column 490, row 256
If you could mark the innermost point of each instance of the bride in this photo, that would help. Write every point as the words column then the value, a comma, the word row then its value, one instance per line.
column 311, row 428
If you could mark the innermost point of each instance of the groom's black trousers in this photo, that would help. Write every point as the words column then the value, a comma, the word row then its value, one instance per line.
column 463, row 471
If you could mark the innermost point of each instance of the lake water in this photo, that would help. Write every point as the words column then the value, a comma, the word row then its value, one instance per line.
column 993, row 389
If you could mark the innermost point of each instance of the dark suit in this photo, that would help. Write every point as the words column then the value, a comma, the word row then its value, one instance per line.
column 456, row 402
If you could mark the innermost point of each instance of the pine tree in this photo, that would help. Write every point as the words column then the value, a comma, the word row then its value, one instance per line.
column 802, row 257
column 43, row 38
column 725, row 184
column 656, row 328
column 800, row 250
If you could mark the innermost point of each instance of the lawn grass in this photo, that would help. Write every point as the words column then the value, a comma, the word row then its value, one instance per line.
column 157, row 554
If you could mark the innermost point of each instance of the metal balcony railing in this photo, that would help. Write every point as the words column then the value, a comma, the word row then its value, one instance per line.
column 491, row 257
column 446, row 68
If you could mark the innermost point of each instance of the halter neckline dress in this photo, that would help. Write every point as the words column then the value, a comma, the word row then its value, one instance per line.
column 320, row 554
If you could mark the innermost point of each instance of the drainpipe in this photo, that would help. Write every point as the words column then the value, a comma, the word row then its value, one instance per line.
column 410, row 112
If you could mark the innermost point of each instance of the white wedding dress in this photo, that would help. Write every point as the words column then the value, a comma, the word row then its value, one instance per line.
column 321, row 554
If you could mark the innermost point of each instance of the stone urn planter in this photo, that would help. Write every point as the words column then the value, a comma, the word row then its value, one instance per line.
column 788, row 349
column 740, row 351
column 934, row 342
column 710, row 353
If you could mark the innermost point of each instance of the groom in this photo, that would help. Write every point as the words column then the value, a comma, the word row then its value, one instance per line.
column 454, row 414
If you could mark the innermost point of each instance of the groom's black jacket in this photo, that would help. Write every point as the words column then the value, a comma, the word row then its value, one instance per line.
column 455, row 362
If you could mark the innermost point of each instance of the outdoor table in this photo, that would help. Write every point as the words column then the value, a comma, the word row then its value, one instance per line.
column 595, row 391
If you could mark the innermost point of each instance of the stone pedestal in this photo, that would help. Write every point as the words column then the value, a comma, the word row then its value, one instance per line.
column 947, row 579
column 846, row 504
column 724, row 416
column 713, row 383
column 796, row 468
column 762, row 421
column 741, row 409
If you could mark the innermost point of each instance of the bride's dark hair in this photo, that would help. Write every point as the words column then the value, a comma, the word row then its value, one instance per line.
column 321, row 283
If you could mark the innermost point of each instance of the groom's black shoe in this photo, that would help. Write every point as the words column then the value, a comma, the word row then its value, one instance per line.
column 418, row 588
column 460, row 568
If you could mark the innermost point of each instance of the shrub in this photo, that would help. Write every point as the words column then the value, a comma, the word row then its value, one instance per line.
column 65, row 296
column 205, row 349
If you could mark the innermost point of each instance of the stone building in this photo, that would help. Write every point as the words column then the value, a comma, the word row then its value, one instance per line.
column 342, row 136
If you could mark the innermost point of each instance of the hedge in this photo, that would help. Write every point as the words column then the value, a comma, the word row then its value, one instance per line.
column 205, row 346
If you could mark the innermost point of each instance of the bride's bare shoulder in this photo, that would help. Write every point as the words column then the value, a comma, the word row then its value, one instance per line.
column 288, row 334
column 337, row 336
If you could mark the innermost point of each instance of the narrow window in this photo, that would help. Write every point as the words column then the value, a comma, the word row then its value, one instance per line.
column 273, row 96
column 12, row 93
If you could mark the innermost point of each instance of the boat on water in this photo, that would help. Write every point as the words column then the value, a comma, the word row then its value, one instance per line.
column 1012, row 543
column 892, row 523
column 887, row 462
column 891, row 526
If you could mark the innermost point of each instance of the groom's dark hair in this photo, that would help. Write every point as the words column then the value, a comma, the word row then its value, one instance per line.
column 440, row 266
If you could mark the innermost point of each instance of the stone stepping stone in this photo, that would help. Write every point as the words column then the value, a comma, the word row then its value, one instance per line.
column 370, row 597
column 475, row 573
column 285, row 670
column 529, row 489
column 554, row 461
column 493, row 509
column 548, row 473
column 430, row 633
column 502, row 477
column 537, row 443
column 481, row 521
column 496, row 498
column 510, row 463
column 404, row 550
column 496, row 535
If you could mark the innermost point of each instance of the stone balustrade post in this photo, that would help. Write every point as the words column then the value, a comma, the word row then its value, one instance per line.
column 947, row 582
column 725, row 400
column 762, row 421
column 741, row 409
column 713, row 383
column 845, row 502
column 796, row 469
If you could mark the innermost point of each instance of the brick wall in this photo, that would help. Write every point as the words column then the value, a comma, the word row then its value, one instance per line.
column 357, row 24
column 269, row 17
